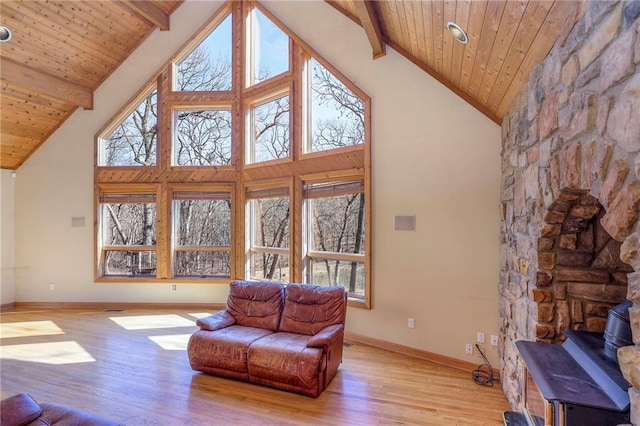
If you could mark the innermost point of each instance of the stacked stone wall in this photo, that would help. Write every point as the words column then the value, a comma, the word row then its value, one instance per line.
column 574, row 129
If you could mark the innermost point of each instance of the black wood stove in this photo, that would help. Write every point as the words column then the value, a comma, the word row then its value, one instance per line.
column 578, row 383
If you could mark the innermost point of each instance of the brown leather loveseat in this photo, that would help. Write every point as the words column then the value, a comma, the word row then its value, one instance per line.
column 287, row 337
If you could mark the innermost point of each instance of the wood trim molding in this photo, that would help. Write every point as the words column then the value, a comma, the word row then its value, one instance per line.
column 115, row 305
column 7, row 306
column 413, row 352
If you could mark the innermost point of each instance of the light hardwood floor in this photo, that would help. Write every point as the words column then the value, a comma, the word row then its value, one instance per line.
column 132, row 366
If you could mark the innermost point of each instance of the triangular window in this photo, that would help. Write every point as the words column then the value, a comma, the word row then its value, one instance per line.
column 134, row 141
column 208, row 67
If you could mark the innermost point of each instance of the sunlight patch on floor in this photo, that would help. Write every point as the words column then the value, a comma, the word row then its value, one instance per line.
column 201, row 314
column 29, row 329
column 143, row 322
column 174, row 342
column 47, row 353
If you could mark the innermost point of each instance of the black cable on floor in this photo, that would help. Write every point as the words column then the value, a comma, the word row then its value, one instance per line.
column 483, row 375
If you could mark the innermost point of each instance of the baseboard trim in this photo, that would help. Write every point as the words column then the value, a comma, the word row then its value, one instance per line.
column 116, row 305
column 413, row 352
column 7, row 306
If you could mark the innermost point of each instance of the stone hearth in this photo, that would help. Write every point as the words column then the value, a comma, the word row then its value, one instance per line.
column 570, row 234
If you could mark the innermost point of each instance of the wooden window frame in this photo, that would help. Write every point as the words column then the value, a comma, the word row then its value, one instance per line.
column 337, row 177
column 351, row 162
column 275, row 188
column 175, row 247
column 132, row 190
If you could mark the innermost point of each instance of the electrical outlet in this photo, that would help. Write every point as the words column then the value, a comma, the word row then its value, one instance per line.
column 468, row 349
column 411, row 323
column 480, row 337
column 174, row 287
column 52, row 286
column 477, row 348
column 494, row 340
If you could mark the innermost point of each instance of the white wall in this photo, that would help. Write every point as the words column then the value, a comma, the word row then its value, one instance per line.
column 7, row 243
column 433, row 156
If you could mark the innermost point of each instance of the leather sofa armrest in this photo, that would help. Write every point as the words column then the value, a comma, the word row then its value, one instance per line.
column 325, row 336
column 216, row 321
column 19, row 410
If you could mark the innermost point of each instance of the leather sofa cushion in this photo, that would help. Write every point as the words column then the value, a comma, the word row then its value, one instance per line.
column 256, row 304
column 310, row 308
column 19, row 410
column 285, row 358
column 225, row 348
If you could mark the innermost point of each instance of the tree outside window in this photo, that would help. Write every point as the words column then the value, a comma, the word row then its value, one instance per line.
column 335, row 220
column 269, row 217
column 202, row 224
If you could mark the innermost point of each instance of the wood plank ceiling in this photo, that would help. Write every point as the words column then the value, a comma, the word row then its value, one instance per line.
column 61, row 51
column 507, row 39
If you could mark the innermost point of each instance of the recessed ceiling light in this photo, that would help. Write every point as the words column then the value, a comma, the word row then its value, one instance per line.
column 457, row 32
column 5, row 34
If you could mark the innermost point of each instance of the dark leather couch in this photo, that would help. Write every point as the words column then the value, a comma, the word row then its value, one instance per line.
column 287, row 337
column 23, row 410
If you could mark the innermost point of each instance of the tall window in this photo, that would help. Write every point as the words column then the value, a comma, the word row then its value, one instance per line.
column 268, row 53
column 269, row 214
column 334, row 218
column 207, row 67
column 128, row 234
column 202, row 232
column 245, row 157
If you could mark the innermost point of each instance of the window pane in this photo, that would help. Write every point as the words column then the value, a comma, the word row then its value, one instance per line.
column 203, row 264
column 337, row 114
column 269, row 266
column 338, row 223
column 203, row 138
column 129, row 224
column 134, row 141
column 130, row 263
column 270, row 218
column 270, row 130
column 330, row 272
column 208, row 67
column 204, row 223
column 270, row 48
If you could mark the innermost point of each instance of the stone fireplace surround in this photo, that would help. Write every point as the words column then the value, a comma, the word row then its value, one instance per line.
column 571, row 185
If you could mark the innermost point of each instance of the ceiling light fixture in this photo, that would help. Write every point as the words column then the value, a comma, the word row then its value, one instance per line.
column 457, row 32
column 5, row 34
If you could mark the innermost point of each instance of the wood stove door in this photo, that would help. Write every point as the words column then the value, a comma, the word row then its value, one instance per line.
column 539, row 411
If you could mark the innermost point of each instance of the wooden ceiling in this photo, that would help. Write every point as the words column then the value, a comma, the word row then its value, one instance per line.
column 507, row 39
column 61, row 51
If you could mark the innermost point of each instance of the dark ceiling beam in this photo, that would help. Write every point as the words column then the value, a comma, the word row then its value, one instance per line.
column 371, row 24
column 151, row 12
column 48, row 84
